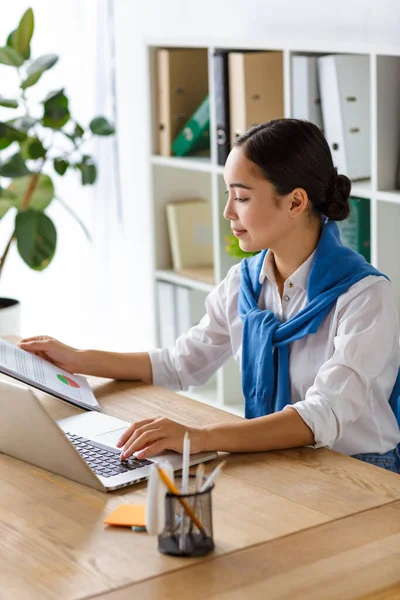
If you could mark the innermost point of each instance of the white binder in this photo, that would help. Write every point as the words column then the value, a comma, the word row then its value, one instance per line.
column 166, row 314
column 183, row 310
column 345, row 94
column 306, row 101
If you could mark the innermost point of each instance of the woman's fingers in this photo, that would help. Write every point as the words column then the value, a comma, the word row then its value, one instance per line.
column 152, row 450
column 131, row 430
column 37, row 345
column 144, row 440
column 35, row 338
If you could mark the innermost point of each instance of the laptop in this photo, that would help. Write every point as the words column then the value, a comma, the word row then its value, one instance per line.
column 81, row 448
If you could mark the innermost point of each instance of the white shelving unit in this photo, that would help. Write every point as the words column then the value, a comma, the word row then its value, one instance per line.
column 177, row 178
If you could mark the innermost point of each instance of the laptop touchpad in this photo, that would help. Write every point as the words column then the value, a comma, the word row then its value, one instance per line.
column 110, row 438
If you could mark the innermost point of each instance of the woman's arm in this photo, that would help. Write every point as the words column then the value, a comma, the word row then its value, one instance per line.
column 134, row 366
column 284, row 429
column 115, row 365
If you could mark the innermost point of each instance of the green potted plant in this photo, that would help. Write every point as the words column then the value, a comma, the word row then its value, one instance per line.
column 29, row 149
column 232, row 247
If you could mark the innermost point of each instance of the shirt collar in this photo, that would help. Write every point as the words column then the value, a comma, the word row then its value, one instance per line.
column 299, row 278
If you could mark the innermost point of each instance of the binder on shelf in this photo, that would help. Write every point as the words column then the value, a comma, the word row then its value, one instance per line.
column 345, row 94
column 306, row 100
column 190, row 233
column 255, row 89
column 166, row 313
column 355, row 231
column 182, row 82
column 195, row 135
column 183, row 309
column 221, row 92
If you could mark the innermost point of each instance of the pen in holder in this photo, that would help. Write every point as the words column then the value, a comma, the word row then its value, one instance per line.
column 184, row 535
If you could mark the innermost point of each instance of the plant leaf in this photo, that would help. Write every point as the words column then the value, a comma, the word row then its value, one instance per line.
column 78, row 131
column 32, row 149
column 23, row 123
column 11, row 133
column 56, row 112
column 43, row 63
column 60, row 166
column 53, row 94
column 36, row 238
column 12, row 41
column 5, row 204
column 88, row 170
column 8, row 102
column 9, row 56
column 31, row 80
column 100, row 126
column 41, row 197
column 37, row 68
column 7, row 194
column 24, row 32
column 7, row 200
column 14, row 167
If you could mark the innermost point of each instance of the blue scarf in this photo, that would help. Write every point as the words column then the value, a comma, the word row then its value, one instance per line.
column 265, row 345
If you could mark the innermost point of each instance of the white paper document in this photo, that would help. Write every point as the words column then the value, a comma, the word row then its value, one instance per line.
column 45, row 376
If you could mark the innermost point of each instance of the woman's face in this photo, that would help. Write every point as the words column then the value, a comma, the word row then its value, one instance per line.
column 256, row 219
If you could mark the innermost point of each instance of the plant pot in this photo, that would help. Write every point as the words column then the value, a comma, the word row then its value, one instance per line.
column 10, row 316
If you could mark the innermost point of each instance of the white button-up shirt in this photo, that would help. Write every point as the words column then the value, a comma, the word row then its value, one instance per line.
column 341, row 377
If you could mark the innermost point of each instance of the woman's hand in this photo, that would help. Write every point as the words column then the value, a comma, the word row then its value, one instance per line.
column 152, row 436
column 54, row 351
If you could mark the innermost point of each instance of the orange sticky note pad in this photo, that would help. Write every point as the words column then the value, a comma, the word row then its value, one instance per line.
column 127, row 515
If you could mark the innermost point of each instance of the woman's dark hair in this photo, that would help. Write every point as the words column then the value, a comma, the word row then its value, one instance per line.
column 292, row 153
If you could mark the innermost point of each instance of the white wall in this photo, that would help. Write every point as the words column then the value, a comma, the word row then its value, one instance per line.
column 55, row 301
column 64, row 300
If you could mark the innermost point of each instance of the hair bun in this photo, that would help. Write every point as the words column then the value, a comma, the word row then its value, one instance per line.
column 337, row 207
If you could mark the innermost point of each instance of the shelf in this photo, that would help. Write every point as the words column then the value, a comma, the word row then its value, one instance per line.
column 194, row 284
column 361, row 189
column 389, row 196
column 195, row 163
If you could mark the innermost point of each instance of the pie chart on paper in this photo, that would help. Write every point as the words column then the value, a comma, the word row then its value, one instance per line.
column 68, row 380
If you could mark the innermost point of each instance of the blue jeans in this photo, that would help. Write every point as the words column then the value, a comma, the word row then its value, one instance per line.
column 389, row 461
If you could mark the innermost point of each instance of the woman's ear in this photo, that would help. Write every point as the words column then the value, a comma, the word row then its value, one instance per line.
column 298, row 202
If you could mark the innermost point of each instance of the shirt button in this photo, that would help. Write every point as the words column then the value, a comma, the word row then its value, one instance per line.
column 286, row 298
column 290, row 284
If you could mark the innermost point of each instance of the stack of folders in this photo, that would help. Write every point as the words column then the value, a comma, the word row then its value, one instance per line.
column 345, row 94
column 306, row 99
column 355, row 231
column 182, row 85
column 221, row 91
column 195, row 135
column 255, row 89
column 190, row 234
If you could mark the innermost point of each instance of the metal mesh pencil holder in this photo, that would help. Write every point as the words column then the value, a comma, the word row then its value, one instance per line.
column 183, row 535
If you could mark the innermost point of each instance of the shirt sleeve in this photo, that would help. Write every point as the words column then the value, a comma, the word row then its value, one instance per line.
column 199, row 353
column 366, row 337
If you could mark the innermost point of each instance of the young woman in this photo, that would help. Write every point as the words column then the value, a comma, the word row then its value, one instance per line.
column 313, row 326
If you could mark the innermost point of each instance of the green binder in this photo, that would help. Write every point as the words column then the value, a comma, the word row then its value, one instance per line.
column 195, row 135
column 355, row 231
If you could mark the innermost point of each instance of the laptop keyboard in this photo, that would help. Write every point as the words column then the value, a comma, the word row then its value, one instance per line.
column 103, row 461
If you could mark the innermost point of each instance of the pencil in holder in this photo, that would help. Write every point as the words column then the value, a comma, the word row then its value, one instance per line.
column 188, row 523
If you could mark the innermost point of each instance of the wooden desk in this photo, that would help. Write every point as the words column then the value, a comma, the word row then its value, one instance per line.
column 55, row 546
column 344, row 559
